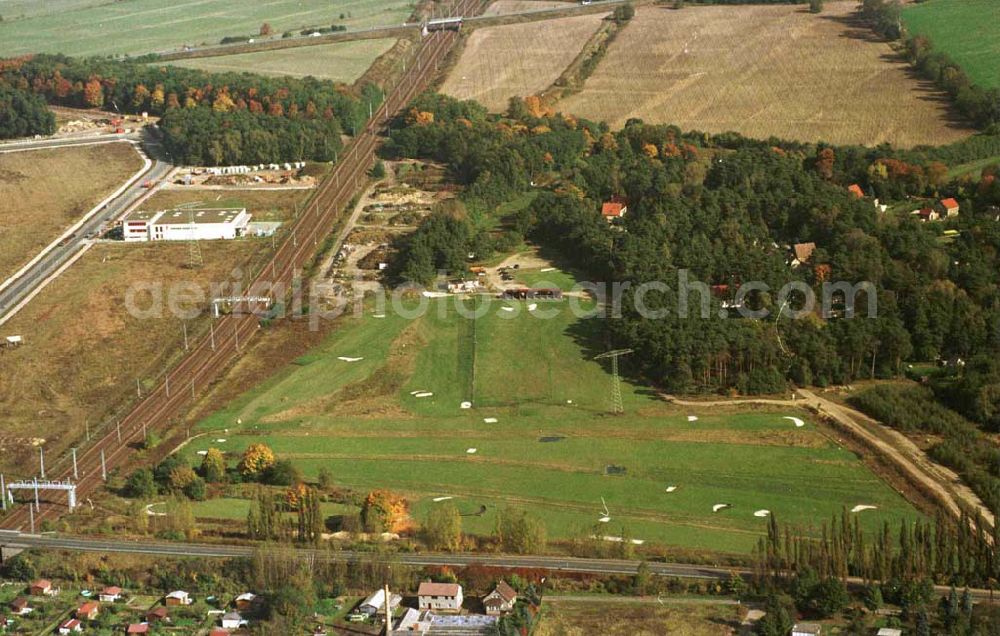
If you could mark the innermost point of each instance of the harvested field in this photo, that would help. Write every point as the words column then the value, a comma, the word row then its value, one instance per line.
column 505, row 7
column 342, row 62
column 518, row 59
column 762, row 71
column 43, row 192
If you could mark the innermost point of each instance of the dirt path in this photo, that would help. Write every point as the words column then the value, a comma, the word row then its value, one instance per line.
column 940, row 482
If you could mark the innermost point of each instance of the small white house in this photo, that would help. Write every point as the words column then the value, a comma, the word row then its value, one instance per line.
column 178, row 597
column 501, row 600
column 439, row 596
column 375, row 604
column 233, row 620
column 110, row 594
column 72, row 626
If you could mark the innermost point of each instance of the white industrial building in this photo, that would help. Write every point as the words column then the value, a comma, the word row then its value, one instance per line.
column 205, row 224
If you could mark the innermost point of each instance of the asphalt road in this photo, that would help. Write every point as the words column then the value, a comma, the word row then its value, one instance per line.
column 21, row 287
column 566, row 564
column 15, row 539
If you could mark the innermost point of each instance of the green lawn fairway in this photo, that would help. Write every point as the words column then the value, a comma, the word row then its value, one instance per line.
column 967, row 30
column 145, row 26
column 542, row 435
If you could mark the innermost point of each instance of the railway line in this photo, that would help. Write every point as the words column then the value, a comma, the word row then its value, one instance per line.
column 210, row 357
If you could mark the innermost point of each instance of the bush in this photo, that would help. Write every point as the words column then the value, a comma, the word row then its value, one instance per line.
column 623, row 13
column 141, row 484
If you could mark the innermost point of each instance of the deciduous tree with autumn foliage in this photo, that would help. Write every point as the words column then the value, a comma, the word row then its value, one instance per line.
column 256, row 459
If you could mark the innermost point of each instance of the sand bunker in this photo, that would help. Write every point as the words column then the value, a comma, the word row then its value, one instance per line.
column 798, row 423
column 718, row 507
column 507, row 308
column 490, row 420
column 423, row 394
column 620, row 539
column 465, row 405
column 532, row 306
column 439, row 499
column 863, row 507
column 762, row 513
column 671, row 488
column 347, row 359
column 692, row 418
column 471, row 451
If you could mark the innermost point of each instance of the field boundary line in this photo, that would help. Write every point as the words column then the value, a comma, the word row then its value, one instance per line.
column 147, row 164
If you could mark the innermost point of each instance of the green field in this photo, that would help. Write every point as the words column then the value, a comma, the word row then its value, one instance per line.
column 343, row 62
column 967, row 30
column 554, row 448
column 75, row 27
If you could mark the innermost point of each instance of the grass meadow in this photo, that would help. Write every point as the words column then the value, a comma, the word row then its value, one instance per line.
column 342, row 62
column 75, row 27
column 553, row 449
column 968, row 31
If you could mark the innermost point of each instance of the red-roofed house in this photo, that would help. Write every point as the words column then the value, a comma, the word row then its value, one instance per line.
column 88, row 611
column 137, row 628
column 42, row 587
column 439, row 596
column 856, row 190
column 950, row 206
column 20, row 607
column 927, row 214
column 158, row 614
column 500, row 600
column 613, row 209
column 110, row 594
column 71, row 626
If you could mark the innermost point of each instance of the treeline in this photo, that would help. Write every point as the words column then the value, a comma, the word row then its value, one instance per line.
column 251, row 114
column 900, row 567
column 23, row 114
column 204, row 136
column 979, row 105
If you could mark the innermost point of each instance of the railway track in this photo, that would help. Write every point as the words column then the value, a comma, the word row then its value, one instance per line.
column 210, row 357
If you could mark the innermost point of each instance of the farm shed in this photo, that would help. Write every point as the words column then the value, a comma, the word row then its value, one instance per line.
column 375, row 603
